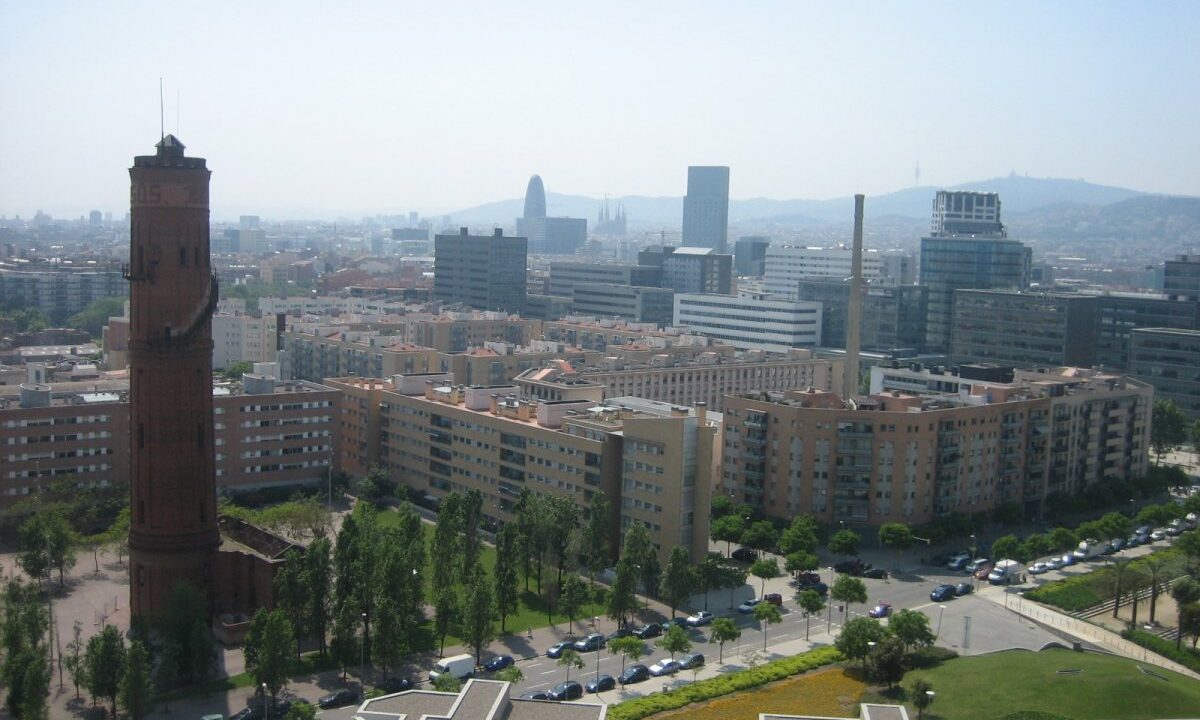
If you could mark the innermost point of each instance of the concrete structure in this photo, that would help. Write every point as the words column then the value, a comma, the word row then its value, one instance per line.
column 893, row 316
column 893, row 457
column 751, row 320
column 1169, row 359
column 750, row 255
column 481, row 700
column 854, row 310
column 486, row 272
column 1023, row 329
column 590, row 333
column 59, row 288
column 547, row 307
column 1181, row 278
column 787, row 265
column 706, row 208
column 963, row 212
column 244, row 338
column 1119, row 314
column 654, row 461
column 173, row 533
column 565, row 276
column 691, row 269
column 636, row 304
column 564, row 236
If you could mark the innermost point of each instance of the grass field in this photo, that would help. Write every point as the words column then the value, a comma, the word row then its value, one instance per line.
column 989, row 687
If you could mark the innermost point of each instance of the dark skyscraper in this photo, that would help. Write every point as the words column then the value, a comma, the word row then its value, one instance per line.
column 706, row 208
column 486, row 272
column 173, row 534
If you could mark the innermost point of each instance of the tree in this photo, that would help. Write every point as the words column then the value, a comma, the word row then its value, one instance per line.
column 723, row 630
column 1035, row 546
column 46, row 541
column 638, row 551
column 511, row 674
column 1185, row 592
column 318, row 580
column 445, row 612
column 1156, row 575
column 73, row 658
column 447, row 683
column 921, row 693
column 561, row 529
column 1063, row 538
column 478, row 608
column 570, row 659
column 236, row 370
column 728, row 529
column 800, row 536
column 675, row 640
column 708, row 574
column 896, row 536
column 767, row 614
column 720, row 506
column 1189, row 622
column 201, row 653
column 290, row 592
column 844, row 543
column 1168, row 427
column 301, row 711
column 472, row 544
column 572, row 598
column 911, row 628
column 622, row 600
column 1120, row 575
column 629, row 647
column 800, row 561
column 1194, row 435
column 1007, row 546
column 597, row 547
column 447, row 536
column 166, row 674
column 761, row 536
column 104, row 661
column 274, row 643
column 679, row 578
column 28, row 677
column 136, row 686
column 95, row 316
column 855, row 636
column 343, row 645
column 764, row 570
column 506, row 578
column 885, row 661
column 848, row 589
column 1189, row 544
column 389, row 642
column 811, row 603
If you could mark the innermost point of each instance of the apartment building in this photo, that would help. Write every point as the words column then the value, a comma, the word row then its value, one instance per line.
column 654, row 461
column 59, row 288
column 751, row 320
column 895, row 457
column 1118, row 314
column 704, row 378
column 591, row 333
column 243, row 338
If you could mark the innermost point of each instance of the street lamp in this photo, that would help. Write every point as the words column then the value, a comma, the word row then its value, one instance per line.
column 266, row 707
column 972, row 546
column 941, row 609
column 362, row 658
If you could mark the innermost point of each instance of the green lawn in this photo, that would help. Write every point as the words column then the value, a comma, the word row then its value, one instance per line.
column 989, row 687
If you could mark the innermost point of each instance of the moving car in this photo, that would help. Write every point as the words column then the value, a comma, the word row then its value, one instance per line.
column 962, row 589
column 854, row 567
column 634, row 674
column 876, row 574
column 691, row 660
column 983, row 571
column 498, row 663
column 649, row 630
column 595, row 641
column 535, row 695
column 774, row 598
column 666, row 666
column 745, row 555
column 396, row 684
column 820, row 588
column 881, row 610
column 679, row 620
column 254, row 712
column 568, row 690
column 748, row 606
column 974, row 566
column 942, row 593
column 337, row 698
column 600, row 684
column 807, row 577
column 703, row 617
column 556, row 650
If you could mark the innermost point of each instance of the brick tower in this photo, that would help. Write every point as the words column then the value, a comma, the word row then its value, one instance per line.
column 173, row 532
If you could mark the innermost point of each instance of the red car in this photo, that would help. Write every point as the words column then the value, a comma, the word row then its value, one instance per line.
column 774, row 599
column 983, row 571
column 881, row 610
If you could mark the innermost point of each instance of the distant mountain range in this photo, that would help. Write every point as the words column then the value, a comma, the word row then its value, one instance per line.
column 1018, row 194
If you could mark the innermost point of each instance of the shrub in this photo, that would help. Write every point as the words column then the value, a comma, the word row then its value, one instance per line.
column 1185, row 656
column 928, row 657
column 641, row 707
column 1072, row 594
column 1034, row 715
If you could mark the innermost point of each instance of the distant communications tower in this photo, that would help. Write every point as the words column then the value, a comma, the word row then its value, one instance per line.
column 917, row 175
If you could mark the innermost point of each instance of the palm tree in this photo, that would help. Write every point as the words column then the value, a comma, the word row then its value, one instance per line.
column 1135, row 582
column 1120, row 574
column 1155, row 570
column 1185, row 592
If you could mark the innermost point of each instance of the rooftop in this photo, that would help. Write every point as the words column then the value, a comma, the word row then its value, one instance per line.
column 478, row 700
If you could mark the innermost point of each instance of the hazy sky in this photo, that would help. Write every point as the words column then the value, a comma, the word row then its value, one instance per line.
column 313, row 109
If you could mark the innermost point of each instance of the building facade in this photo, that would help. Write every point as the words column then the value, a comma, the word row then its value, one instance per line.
column 706, row 208
column 59, row 289
column 486, row 272
column 787, row 265
column 893, row 316
column 751, row 320
column 1119, row 314
column 696, row 270
column 750, row 255
column 565, row 276
column 1169, row 359
column 633, row 303
column 1181, row 278
column 1023, row 329
column 244, row 338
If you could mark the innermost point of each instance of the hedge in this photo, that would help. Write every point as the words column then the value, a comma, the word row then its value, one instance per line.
column 1090, row 589
column 747, row 679
column 1034, row 715
column 1185, row 656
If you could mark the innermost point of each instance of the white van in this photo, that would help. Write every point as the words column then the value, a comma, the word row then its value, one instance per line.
column 460, row 666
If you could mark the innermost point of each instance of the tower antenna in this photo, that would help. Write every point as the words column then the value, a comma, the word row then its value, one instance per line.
column 162, row 131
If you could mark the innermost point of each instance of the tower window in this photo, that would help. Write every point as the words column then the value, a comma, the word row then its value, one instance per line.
column 183, row 256
column 141, row 433
column 141, row 512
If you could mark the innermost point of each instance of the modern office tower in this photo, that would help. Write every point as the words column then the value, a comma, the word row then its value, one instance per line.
column 1169, row 359
column 691, row 269
column 486, row 272
column 1119, row 314
column 252, row 239
column 706, row 208
column 564, row 276
column 173, row 533
column 750, row 255
column 968, row 248
column 1181, row 278
column 786, row 265
column 532, row 223
column 896, row 457
column 564, row 235
column 632, row 303
column 893, row 316
column 751, row 320
column 1023, row 329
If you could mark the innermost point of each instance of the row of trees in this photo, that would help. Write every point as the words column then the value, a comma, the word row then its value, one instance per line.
column 1169, row 428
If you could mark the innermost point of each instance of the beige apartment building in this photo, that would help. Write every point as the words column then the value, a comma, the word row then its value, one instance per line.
column 655, row 462
column 894, row 457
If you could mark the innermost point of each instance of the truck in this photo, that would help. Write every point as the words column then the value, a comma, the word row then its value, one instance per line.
column 1004, row 572
column 460, row 666
column 1089, row 549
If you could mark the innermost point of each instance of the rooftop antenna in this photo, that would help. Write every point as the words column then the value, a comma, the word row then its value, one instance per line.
column 162, row 131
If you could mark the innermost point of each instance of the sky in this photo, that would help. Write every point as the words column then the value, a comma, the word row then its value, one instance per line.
column 315, row 110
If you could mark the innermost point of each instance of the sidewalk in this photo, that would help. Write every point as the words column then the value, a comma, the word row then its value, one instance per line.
column 1084, row 630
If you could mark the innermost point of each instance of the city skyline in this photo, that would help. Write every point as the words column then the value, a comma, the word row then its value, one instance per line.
column 321, row 112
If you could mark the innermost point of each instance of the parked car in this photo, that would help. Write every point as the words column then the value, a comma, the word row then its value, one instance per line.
column 1005, row 572
column 649, row 630
column 942, row 593
column 601, row 684
column 1143, row 530
column 1054, row 563
column 807, row 577
column 620, row 633
column 634, row 674
column 748, row 606
column 691, row 660
column 876, row 574
column 744, row 554
column 1037, row 568
column 1158, row 535
column 679, row 620
column 853, row 566
column 556, row 650
column 1133, row 541
column 337, row 698
column 254, row 712
column 982, row 571
column 1174, row 530
column 595, row 641
column 974, row 565
column 703, row 617
column 666, row 666
column 498, row 663
column 959, row 561
column 821, row 588
column 1068, row 560
column 535, row 695
column 568, row 690
column 774, row 598
column 1117, row 544
column 881, row 610
column 397, row 684
column 963, row 589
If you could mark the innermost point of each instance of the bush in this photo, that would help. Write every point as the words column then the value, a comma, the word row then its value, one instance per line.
column 641, row 707
column 1034, row 715
column 1072, row 594
column 1185, row 656
column 928, row 657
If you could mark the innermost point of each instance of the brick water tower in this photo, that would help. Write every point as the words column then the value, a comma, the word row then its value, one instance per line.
column 173, row 534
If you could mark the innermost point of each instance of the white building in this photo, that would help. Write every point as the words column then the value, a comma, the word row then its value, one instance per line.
column 243, row 338
column 788, row 264
column 751, row 321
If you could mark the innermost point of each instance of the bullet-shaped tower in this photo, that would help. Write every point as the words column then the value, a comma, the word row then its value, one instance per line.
column 173, row 534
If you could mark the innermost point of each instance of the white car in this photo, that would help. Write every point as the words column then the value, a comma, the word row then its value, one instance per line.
column 1037, row 568
column 1158, row 535
column 666, row 666
column 748, row 606
column 1054, row 563
column 703, row 617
